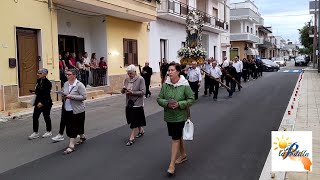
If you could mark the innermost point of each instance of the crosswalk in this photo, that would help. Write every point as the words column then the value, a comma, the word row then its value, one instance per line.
column 292, row 71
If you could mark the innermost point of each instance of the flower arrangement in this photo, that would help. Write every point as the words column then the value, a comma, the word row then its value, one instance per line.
column 187, row 52
column 194, row 50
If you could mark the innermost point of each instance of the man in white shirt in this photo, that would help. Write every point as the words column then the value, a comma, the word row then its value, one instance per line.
column 224, row 64
column 207, row 80
column 194, row 78
column 238, row 65
column 86, row 61
column 216, row 73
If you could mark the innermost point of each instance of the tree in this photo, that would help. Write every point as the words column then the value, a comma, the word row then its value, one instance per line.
column 306, row 40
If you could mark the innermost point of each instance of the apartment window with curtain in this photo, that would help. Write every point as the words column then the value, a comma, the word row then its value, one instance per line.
column 130, row 51
column 247, row 29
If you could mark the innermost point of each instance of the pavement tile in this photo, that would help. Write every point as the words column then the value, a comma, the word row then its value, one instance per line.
column 313, row 176
column 296, row 176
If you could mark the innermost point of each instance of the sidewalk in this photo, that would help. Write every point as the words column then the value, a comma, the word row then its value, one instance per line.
column 308, row 119
column 6, row 116
column 302, row 114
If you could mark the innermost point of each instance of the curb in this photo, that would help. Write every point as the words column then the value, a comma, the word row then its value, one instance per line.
column 56, row 106
column 287, row 124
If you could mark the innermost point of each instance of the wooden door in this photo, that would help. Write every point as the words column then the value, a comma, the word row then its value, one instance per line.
column 27, row 42
column 130, row 51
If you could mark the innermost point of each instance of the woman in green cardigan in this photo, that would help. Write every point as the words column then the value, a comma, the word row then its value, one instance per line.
column 176, row 97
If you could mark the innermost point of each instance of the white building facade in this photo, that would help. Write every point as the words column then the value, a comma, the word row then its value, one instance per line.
column 168, row 33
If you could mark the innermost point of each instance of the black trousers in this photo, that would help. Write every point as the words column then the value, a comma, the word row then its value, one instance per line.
column 207, row 85
column 215, row 86
column 147, row 83
column 62, row 121
column 195, row 88
column 45, row 110
column 74, row 123
column 238, row 78
column 232, row 86
column 245, row 75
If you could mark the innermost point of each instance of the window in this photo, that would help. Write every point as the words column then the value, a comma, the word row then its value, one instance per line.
column 234, row 52
column 163, row 49
column 130, row 51
column 247, row 29
column 214, row 12
column 183, row 44
column 251, row 31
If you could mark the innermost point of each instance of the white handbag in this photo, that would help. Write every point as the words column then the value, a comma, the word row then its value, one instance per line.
column 188, row 128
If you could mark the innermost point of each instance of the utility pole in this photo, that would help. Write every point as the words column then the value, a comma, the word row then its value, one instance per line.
column 315, row 37
column 318, row 31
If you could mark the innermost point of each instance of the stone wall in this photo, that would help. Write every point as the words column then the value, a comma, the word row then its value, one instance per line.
column 11, row 97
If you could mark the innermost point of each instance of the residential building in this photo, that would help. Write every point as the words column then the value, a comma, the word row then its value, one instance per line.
column 40, row 30
column 28, row 41
column 168, row 33
column 244, row 20
column 264, row 43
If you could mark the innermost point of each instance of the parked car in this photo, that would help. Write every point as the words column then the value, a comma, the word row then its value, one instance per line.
column 269, row 66
column 280, row 61
column 286, row 58
column 300, row 61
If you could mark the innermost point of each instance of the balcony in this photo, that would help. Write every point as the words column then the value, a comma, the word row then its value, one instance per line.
column 135, row 10
column 247, row 37
column 177, row 12
column 264, row 43
column 246, row 14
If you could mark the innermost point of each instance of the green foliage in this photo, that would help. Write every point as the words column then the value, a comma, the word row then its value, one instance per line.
column 306, row 40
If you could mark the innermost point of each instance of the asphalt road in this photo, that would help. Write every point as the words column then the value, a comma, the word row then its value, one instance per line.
column 231, row 141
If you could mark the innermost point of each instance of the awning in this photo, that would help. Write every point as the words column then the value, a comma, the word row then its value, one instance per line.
column 252, row 52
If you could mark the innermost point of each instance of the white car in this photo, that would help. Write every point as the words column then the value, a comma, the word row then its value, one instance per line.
column 280, row 61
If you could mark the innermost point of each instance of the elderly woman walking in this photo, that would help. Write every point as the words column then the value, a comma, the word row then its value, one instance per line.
column 176, row 97
column 134, row 88
column 42, row 104
column 73, row 109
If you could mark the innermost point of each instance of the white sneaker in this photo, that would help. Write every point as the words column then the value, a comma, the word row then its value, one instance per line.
column 34, row 136
column 58, row 137
column 47, row 134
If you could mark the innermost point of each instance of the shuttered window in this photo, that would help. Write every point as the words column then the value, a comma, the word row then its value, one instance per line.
column 130, row 51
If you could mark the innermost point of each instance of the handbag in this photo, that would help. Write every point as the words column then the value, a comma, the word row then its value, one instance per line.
column 188, row 128
column 130, row 103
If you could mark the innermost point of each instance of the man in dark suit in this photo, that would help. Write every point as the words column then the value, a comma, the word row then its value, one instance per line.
column 146, row 73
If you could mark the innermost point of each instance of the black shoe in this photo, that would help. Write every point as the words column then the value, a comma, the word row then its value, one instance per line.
column 140, row 134
column 130, row 142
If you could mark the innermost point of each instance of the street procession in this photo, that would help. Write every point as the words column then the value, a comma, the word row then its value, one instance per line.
column 159, row 89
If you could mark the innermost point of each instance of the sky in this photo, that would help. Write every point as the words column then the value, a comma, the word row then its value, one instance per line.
column 285, row 16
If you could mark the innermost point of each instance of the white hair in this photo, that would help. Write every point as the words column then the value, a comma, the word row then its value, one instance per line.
column 131, row 68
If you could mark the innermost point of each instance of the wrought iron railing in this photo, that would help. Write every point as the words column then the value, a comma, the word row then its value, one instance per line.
column 182, row 10
column 94, row 77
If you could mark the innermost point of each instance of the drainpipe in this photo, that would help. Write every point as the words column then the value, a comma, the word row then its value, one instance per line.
column 50, row 5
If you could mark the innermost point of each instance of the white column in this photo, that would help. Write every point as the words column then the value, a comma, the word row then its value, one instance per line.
column 241, row 26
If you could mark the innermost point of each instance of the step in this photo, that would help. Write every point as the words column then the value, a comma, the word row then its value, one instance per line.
column 94, row 94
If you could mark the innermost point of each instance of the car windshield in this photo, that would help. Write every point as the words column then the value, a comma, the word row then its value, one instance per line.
column 279, row 59
column 300, row 58
column 267, row 61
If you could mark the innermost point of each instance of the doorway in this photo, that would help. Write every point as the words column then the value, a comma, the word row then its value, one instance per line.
column 71, row 44
column 163, row 49
column 28, row 59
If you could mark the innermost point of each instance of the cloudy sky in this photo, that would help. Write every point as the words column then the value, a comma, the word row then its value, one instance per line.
column 285, row 16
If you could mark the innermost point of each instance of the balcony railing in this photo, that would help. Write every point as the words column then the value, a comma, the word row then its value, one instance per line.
column 244, row 37
column 181, row 10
